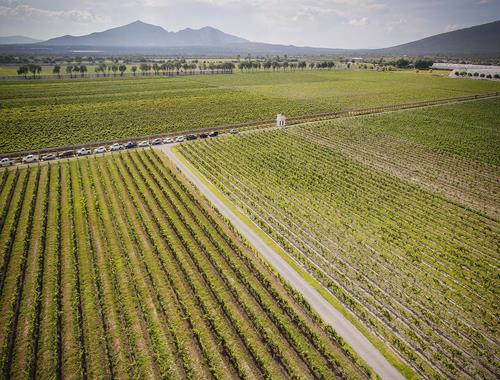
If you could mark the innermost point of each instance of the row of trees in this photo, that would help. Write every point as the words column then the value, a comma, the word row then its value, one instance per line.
column 29, row 69
column 477, row 75
column 276, row 65
column 113, row 69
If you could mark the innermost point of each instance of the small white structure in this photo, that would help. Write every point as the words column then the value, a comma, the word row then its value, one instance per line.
column 280, row 120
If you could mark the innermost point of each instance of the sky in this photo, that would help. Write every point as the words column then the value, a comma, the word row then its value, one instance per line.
column 319, row 23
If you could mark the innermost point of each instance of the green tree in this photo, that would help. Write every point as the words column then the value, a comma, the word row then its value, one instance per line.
column 83, row 70
column 32, row 69
column 122, row 69
column 69, row 70
column 23, row 70
column 134, row 69
column 423, row 64
column 56, row 70
column 114, row 68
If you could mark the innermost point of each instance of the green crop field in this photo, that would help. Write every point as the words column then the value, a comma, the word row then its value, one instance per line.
column 36, row 114
column 113, row 267
column 402, row 241
column 452, row 150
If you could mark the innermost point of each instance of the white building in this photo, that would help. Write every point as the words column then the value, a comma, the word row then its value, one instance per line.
column 280, row 120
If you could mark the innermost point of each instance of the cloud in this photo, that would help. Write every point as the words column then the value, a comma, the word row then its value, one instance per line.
column 358, row 21
column 390, row 26
column 13, row 9
column 452, row 27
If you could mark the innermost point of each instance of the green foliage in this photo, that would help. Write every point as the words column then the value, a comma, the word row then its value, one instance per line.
column 113, row 267
column 414, row 266
column 62, row 112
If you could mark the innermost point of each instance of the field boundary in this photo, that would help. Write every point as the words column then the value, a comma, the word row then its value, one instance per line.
column 391, row 356
column 30, row 77
column 261, row 124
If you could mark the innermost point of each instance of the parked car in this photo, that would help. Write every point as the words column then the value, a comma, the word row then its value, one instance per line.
column 168, row 140
column 203, row 135
column 191, row 137
column 233, row 131
column 213, row 134
column 115, row 146
column 66, row 153
column 143, row 144
column 30, row 158
column 100, row 149
column 83, row 152
column 130, row 145
column 6, row 162
column 179, row 139
column 49, row 157
column 156, row 142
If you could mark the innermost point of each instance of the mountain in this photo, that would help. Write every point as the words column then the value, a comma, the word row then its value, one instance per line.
column 11, row 40
column 142, row 38
column 478, row 40
column 141, row 34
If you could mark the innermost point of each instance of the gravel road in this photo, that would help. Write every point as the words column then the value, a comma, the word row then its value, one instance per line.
column 329, row 314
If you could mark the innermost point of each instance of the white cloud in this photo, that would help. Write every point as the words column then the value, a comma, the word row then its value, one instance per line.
column 22, row 11
column 452, row 27
column 358, row 21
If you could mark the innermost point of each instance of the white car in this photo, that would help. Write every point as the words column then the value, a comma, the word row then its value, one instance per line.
column 6, row 162
column 156, row 142
column 100, row 149
column 143, row 144
column 168, row 140
column 83, row 152
column 233, row 131
column 30, row 158
column 179, row 139
column 115, row 147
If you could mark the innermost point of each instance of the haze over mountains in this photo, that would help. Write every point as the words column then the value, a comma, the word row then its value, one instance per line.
column 141, row 34
column 140, row 37
column 10, row 40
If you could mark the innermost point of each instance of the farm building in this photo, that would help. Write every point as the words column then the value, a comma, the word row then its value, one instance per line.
column 280, row 120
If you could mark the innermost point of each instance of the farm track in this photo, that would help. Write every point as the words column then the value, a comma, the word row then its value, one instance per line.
column 348, row 332
column 116, row 269
column 321, row 232
column 266, row 124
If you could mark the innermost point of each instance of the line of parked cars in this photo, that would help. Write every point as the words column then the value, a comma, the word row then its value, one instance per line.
column 30, row 158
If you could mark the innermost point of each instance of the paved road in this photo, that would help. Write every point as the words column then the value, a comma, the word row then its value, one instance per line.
column 329, row 314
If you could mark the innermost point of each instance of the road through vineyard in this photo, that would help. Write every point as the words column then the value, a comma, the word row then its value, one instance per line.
column 113, row 267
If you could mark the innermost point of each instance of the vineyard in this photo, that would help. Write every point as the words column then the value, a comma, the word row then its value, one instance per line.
column 114, row 267
column 420, row 270
column 41, row 114
column 458, row 160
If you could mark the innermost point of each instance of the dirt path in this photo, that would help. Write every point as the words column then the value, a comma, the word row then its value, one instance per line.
column 329, row 314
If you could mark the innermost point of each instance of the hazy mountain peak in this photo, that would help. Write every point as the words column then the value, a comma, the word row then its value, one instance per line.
column 139, row 33
column 480, row 39
column 10, row 40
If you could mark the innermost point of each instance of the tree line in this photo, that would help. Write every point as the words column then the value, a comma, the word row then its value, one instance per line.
column 249, row 65
column 114, row 68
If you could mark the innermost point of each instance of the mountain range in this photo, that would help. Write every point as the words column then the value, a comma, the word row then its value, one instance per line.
column 141, row 34
column 140, row 37
column 11, row 40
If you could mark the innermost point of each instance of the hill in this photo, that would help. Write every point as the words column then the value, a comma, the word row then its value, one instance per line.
column 477, row 40
column 141, row 34
column 11, row 40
